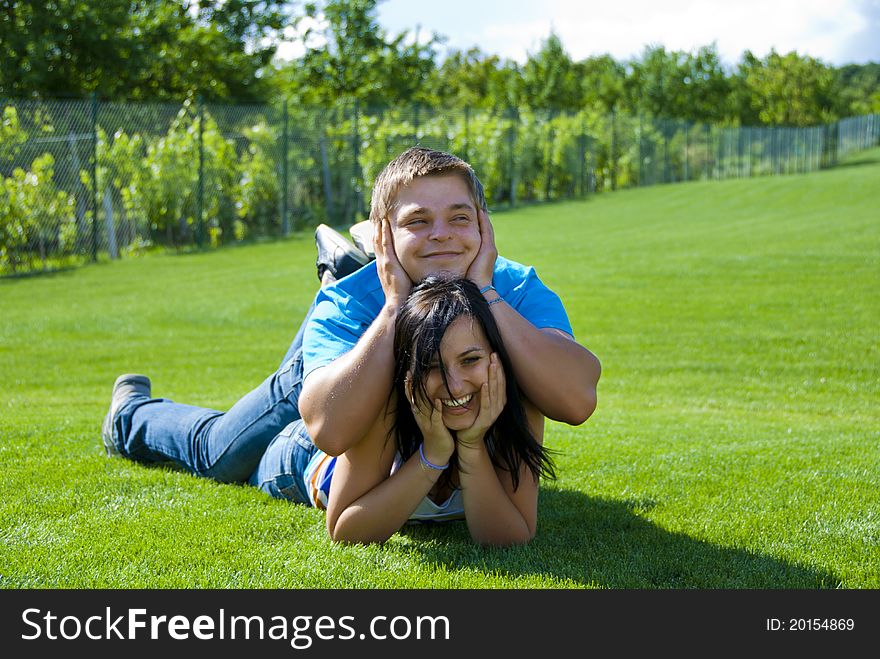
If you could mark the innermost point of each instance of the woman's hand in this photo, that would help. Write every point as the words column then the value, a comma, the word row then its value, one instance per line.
column 439, row 443
column 493, row 398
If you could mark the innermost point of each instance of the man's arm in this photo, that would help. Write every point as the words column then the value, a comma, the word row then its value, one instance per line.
column 340, row 401
column 557, row 374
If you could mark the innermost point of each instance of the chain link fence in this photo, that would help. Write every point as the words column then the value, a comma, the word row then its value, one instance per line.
column 82, row 180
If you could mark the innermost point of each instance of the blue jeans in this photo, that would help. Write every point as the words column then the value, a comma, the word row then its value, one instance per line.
column 261, row 440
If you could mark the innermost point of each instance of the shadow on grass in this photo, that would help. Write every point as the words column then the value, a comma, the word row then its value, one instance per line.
column 604, row 543
column 39, row 273
column 866, row 158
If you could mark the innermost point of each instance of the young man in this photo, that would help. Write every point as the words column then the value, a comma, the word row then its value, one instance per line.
column 429, row 215
column 428, row 212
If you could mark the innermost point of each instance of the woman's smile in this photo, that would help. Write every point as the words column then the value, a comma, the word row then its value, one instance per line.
column 465, row 352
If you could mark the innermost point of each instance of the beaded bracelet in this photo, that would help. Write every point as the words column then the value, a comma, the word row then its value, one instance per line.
column 488, row 288
column 428, row 463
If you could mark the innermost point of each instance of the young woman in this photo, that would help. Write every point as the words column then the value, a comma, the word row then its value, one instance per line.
column 458, row 440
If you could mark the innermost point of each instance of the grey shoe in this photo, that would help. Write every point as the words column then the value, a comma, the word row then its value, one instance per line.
column 362, row 236
column 125, row 387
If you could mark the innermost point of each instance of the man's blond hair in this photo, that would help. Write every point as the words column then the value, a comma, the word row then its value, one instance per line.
column 415, row 162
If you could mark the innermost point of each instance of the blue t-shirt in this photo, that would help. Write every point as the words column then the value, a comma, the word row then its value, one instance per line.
column 345, row 309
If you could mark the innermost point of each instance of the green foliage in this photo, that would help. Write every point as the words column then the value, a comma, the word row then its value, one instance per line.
column 12, row 136
column 161, row 49
column 681, row 85
column 21, row 229
column 860, row 89
column 549, row 81
column 476, row 80
column 259, row 185
column 350, row 57
column 788, row 90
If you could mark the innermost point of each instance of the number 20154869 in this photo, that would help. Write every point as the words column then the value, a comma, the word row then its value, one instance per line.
column 810, row 624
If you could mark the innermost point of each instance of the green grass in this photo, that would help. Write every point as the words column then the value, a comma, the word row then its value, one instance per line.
column 736, row 443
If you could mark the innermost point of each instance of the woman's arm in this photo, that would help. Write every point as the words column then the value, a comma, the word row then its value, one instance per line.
column 365, row 503
column 496, row 513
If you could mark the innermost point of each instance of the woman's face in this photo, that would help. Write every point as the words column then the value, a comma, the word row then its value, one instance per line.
column 465, row 352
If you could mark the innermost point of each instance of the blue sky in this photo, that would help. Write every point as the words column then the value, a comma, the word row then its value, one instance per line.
column 835, row 31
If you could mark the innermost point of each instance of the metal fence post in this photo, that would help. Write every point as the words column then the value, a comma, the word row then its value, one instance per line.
column 200, row 196
column 641, row 157
column 612, row 156
column 548, row 156
column 94, row 174
column 356, row 168
column 416, row 124
column 686, row 154
column 328, row 188
column 582, row 152
column 707, row 162
column 511, row 156
column 467, row 132
column 285, row 223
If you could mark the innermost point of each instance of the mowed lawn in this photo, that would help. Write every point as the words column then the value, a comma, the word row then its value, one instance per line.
column 736, row 443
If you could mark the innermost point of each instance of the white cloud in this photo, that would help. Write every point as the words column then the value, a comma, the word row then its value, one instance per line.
column 826, row 29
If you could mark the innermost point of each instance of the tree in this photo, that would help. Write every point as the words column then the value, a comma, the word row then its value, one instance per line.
column 657, row 83
column 155, row 50
column 349, row 56
column 707, row 87
column 603, row 82
column 860, row 89
column 549, row 79
column 790, row 90
column 475, row 79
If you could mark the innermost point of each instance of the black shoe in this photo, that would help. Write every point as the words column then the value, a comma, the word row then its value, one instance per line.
column 337, row 255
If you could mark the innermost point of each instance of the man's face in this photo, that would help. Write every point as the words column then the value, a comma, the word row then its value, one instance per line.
column 435, row 226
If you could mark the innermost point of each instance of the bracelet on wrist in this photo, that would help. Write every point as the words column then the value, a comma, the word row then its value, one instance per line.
column 490, row 287
column 427, row 463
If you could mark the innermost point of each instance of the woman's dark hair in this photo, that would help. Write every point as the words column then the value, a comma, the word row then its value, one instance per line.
column 430, row 309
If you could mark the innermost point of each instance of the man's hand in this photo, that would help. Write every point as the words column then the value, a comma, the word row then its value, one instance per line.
column 493, row 398
column 439, row 443
column 481, row 270
column 395, row 282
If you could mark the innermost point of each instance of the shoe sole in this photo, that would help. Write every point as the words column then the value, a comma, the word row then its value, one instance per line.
column 107, row 425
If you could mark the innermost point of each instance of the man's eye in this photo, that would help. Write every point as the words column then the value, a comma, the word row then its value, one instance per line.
column 461, row 218
column 415, row 221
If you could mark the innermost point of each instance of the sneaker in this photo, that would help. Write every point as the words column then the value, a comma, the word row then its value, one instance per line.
column 124, row 388
column 336, row 254
column 362, row 235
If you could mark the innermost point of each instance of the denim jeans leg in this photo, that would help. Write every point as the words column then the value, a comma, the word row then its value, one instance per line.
column 296, row 345
column 226, row 447
column 280, row 470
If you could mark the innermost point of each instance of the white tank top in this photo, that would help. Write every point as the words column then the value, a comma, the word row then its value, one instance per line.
column 319, row 474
